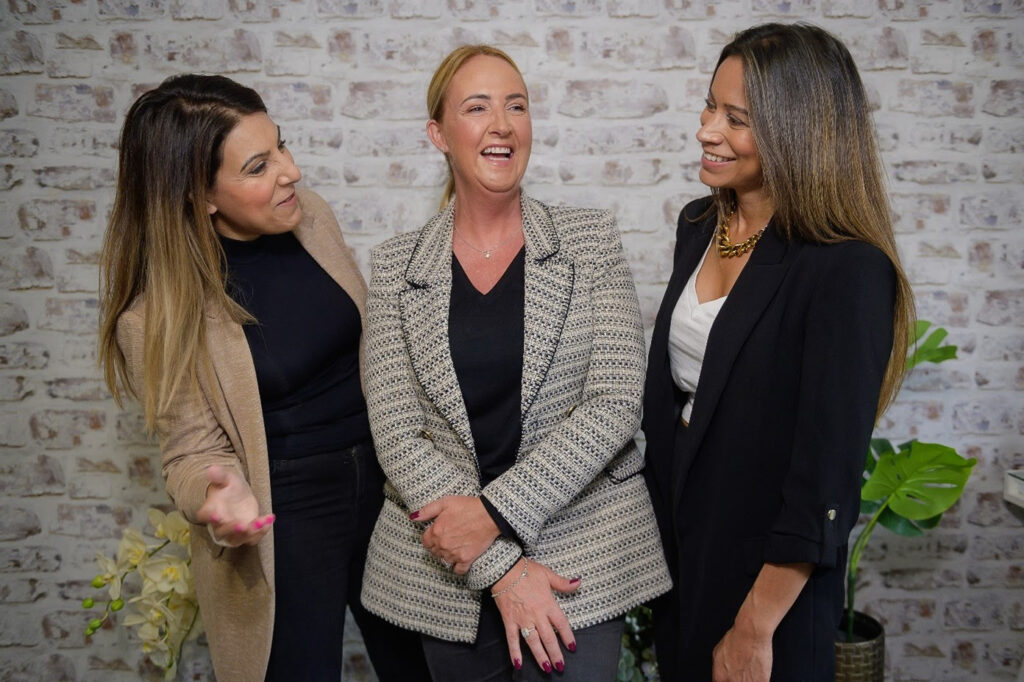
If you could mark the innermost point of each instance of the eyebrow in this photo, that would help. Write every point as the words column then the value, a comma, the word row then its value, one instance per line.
column 730, row 107
column 260, row 155
column 514, row 95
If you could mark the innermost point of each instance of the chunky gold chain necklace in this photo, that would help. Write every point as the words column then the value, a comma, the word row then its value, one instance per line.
column 726, row 249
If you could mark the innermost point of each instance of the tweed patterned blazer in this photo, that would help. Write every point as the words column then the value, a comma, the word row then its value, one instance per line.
column 573, row 496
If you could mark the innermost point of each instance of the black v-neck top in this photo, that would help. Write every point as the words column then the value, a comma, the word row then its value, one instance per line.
column 305, row 346
column 485, row 335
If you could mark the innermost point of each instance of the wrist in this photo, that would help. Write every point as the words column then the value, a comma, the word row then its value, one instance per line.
column 753, row 623
column 520, row 571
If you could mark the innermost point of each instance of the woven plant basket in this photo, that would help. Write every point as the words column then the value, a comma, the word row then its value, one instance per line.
column 862, row 660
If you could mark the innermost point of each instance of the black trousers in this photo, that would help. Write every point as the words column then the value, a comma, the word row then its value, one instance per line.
column 326, row 506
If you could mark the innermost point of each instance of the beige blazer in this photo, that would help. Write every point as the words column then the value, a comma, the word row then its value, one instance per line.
column 224, row 425
column 574, row 496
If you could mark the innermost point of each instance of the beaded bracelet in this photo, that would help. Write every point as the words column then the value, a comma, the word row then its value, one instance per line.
column 515, row 582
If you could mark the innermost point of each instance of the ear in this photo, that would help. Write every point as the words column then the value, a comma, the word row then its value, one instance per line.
column 436, row 135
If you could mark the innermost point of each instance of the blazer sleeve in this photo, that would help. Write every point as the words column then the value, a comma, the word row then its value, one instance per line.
column 419, row 472
column 848, row 342
column 573, row 453
column 191, row 438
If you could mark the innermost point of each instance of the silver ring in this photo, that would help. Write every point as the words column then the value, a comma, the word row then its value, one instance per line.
column 526, row 632
column 447, row 566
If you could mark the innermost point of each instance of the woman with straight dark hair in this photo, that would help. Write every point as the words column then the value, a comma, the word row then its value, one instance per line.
column 232, row 309
column 779, row 341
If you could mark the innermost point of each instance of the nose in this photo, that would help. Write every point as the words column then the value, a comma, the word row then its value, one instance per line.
column 290, row 173
column 500, row 123
column 709, row 132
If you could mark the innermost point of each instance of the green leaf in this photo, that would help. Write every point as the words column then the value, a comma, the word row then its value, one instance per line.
column 877, row 448
column 920, row 481
column 904, row 526
column 929, row 350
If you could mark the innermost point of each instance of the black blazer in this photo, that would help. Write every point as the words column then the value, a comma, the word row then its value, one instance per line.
column 769, row 469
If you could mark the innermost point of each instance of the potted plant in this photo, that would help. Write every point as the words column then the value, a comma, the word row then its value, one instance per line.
column 905, row 489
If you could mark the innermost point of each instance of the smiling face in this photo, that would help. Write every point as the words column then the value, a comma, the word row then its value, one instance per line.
column 730, row 158
column 254, row 190
column 485, row 131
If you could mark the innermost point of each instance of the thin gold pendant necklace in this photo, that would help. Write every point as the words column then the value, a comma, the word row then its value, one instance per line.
column 486, row 252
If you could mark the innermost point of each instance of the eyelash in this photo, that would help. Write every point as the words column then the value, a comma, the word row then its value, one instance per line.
column 733, row 121
column 262, row 165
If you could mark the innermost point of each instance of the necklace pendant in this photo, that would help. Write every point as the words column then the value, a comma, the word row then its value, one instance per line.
column 487, row 254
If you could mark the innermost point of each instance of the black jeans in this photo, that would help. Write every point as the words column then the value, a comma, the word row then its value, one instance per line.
column 326, row 506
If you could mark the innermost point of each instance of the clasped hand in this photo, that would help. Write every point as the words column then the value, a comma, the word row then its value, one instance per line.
column 461, row 531
column 231, row 510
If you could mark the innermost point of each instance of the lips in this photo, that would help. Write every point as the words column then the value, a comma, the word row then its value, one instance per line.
column 288, row 200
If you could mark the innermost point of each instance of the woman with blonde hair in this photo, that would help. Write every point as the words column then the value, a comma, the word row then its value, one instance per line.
column 232, row 309
column 781, row 337
column 505, row 360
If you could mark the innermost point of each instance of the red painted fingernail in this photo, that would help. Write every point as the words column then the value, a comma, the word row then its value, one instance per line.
column 546, row 666
column 571, row 646
column 415, row 515
column 575, row 580
column 516, row 663
column 559, row 666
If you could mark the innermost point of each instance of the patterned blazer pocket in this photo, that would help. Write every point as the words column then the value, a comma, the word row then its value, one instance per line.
column 628, row 463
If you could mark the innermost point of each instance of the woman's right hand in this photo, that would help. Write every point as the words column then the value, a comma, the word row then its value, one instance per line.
column 231, row 510
column 529, row 610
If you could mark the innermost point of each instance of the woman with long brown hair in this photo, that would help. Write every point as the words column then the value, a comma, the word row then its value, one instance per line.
column 232, row 309
column 781, row 337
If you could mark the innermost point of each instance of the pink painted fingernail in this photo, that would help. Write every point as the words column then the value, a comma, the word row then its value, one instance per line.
column 546, row 666
column 559, row 666
column 257, row 524
column 239, row 528
column 214, row 518
column 516, row 663
column 415, row 515
column 571, row 646
column 270, row 519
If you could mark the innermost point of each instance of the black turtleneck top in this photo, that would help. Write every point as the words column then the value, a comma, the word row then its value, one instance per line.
column 304, row 344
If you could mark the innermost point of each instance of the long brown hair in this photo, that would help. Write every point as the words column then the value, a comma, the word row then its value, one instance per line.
column 437, row 91
column 160, row 245
column 812, row 126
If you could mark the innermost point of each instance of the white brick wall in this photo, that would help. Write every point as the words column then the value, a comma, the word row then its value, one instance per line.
column 616, row 88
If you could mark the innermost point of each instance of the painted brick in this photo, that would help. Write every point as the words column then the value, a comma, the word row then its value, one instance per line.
column 416, row 9
column 916, row 212
column 349, row 9
column 14, row 388
column 20, row 52
column 29, row 559
column 73, row 103
column 973, row 614
column 484, row 10
column 17, row 523
column 394, row 142
column 694, row 9
column 18, row 628
column 230, row 52
column 77, row 389
column 607, row 98
column 72, row 279
column 13, row 318
column 388, row 100
column 996, row 257
column 992, row 210
column 935, row 98
column 70, row 141
column 635, row 8
column 196, row 9
column 66, row 629
column 988, row 416
column 1004, row 140
column 8, row 105
column 31, row 269
column 131, row 429
column 21, row 591
column 29, row 477
column 131, row 9
column 901, row 616
column 76, row 316
column 625, row 171
column 1005, row 98
column 1003, row 308
column 91, row 521
column 14, row 430
column 408, row 51
column 65, row 429
column 997, row 547
column 952, row 137
column 886, row 49
column 670, row 48
column 930, row 172
column 18, row 143
column 922, row 579
column 985, row 576
column 46, row 219
column 568, row 8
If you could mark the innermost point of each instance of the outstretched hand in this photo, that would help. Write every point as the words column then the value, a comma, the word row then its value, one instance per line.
column 461, row 531
column 529, row 610
column 231, row 510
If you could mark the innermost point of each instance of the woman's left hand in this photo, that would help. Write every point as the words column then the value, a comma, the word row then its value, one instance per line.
column 462, row 530
column 742, row 656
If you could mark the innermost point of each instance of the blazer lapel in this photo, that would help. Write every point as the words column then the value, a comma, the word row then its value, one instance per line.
column 235, row 373
column 753, row 291
column 424, row 309
column 548, row 282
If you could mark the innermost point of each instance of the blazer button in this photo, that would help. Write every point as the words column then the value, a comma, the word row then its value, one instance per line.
column 427, row 434
column 831, row 514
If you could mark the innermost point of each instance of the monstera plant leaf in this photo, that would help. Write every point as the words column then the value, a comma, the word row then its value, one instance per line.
column 888, row 518
column 920, row 481
column 931, row 348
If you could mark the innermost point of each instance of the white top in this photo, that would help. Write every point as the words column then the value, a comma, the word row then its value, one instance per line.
column 688, row 336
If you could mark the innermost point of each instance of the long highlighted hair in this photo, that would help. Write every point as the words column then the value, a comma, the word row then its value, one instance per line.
column 160, row 245
column 811, row 122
